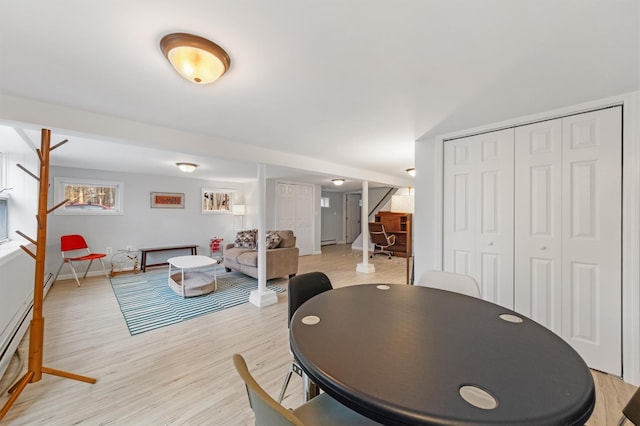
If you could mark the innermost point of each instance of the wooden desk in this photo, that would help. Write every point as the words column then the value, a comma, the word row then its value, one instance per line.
column 143, row 262
column 403, row 354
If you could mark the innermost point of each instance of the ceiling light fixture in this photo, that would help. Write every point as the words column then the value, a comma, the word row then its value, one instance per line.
column 337, row 182
column 411, row 171
column 197, row 59
column 187, row 167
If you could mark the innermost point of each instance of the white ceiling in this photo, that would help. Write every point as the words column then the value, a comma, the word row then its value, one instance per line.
column 345, row 86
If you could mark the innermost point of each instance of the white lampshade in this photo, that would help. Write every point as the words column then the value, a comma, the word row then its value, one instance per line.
column 187, row 167
column 238, row 209
column 197, row 59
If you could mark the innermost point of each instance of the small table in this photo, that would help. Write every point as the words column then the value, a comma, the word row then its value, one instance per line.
column 189, row 281
column 408, row 355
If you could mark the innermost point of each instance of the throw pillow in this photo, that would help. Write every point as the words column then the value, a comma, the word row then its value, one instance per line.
column 246, row 239
column 273, row 240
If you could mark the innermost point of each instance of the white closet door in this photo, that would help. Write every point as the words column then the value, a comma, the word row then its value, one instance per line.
column 294, row 210
column 538, row 223
column 304, row 219
column 592, row 237
column 285, row 206
column 478, row 212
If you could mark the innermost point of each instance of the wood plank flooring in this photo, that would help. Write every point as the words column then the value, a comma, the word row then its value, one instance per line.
column 183, row 374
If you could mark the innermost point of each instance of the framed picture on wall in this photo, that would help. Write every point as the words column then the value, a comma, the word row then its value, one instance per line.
column 216, row 201
column 167, row 200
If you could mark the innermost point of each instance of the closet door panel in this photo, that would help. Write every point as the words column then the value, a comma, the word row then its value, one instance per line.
column 494, row 235
column 592, row 240
column 304, row 219
column 459, row 205
column 478, row 212
column 538, row 221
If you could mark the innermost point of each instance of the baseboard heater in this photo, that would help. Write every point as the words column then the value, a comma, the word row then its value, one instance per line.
column 14, row 339
column 328, row 242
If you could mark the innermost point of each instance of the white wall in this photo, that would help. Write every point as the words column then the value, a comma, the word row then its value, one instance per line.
column 140, row 225
column 23, row 198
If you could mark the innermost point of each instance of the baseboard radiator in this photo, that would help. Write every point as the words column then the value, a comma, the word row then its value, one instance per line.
column 16, row 302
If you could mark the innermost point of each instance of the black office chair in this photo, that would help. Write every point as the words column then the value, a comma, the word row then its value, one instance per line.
column 302, row 288
column 380, row 239
column 631, row 411
column 321, row 410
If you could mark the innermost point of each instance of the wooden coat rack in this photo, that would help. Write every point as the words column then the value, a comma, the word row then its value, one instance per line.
column 36, row 333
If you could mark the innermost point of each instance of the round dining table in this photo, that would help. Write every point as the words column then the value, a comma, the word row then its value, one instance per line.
column 411, row 355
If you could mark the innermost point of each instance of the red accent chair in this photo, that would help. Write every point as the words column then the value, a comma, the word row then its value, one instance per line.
column 74, row 249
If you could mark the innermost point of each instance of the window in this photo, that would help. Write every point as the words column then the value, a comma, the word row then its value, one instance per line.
column 324, row 202
column 88, row 196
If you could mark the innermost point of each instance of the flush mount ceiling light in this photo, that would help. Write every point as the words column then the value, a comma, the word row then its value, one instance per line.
column 411, row 171
column 337, row 182
column 187, row 167
column 197, row 59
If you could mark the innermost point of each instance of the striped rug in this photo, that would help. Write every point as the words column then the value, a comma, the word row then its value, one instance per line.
column 147, row 302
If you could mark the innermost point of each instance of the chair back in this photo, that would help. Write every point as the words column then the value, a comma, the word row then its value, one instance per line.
column 379, row 236
column 304, row 286
column 266, row 409
column 458, row 283
column 72, row 242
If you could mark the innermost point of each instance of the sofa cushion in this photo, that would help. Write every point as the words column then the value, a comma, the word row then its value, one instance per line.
column 246, row 239
column 234, row 252
column 248, row 258
column 273, row 240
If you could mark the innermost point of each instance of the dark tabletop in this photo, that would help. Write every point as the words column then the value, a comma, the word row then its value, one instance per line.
column 400, row 356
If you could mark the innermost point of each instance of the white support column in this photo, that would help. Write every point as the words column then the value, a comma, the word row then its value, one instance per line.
column 262, row 296
column 365, row 266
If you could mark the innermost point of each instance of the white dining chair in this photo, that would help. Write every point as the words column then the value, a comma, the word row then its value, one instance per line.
column 464, row 284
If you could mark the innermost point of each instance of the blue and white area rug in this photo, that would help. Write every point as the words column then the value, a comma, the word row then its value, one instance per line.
column 147, row 302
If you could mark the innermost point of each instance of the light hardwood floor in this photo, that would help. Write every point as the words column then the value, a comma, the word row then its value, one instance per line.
column 183, row 374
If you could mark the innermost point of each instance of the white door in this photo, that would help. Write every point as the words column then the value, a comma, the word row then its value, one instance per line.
column 353, row 217
column 478, row 212
column 304, row 219
column 286, row 206
column 538, row 223
column 568, row 231
column 592, row 237
column 294, row 210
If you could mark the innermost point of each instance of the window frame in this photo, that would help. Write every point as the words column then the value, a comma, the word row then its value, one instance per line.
column 59, row 190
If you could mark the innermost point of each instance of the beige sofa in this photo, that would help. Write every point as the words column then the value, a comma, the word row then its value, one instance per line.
column 242, row 256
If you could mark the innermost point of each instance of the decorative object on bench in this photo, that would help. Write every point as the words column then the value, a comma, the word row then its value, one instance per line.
column 282, row 254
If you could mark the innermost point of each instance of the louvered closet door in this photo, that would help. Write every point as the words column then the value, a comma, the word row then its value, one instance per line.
column 592, row 237
column 538, row 223
column 478, row 212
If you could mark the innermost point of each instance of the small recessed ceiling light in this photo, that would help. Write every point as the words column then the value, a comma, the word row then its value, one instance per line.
column 411, row 171
column 337, row 182
column 187, row 167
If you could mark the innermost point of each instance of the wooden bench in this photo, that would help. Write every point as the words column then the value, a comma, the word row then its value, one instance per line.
column 143, row 262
